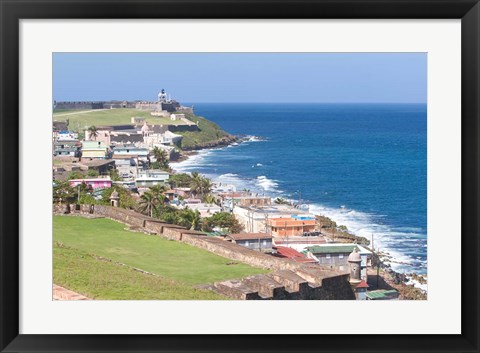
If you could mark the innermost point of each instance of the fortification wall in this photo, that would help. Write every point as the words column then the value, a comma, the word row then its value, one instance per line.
column 323, row 282
column 183, row 128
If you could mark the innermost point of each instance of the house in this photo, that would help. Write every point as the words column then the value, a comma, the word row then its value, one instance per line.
column 382, row 294
column 126, row 156
column 205, row 209
column 288, row 226
column 174, row 117
column 169, row 138
column 255, row 241
column 102, row 135
column 65, row 135
column 337, row 255
column 152, row 177
column 255, row 201
column 94, row 183
column 95, row 149
column 66, row 148
column 292, row 254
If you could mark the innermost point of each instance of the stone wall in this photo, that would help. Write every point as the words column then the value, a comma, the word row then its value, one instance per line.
column 314, row 281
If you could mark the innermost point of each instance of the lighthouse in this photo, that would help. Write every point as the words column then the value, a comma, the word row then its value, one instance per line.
column 162, row 96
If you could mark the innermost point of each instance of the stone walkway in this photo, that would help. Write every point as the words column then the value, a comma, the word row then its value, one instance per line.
column 60, row 293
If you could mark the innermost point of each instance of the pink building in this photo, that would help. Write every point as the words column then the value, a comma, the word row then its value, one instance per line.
column 95, row 183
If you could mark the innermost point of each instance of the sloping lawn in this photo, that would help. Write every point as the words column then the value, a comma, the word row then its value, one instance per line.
column 121, row 116
column 99, row 279
column 169, row 259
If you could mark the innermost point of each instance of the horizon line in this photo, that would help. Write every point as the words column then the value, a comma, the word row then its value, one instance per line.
column 257, row 102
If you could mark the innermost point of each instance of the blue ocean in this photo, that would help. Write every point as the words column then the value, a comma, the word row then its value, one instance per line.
column 363, row 165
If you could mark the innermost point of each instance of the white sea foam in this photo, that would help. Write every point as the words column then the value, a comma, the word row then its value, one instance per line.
column 385, row 238
column 266, row 184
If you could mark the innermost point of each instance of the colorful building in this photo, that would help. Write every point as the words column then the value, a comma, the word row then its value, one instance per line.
column 153, row 177
column 283, row 227
column 95, row 149
column 337, row 255
column 255, row 241
column 94, row 183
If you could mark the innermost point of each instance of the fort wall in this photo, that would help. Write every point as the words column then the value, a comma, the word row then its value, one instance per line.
column 306, row 281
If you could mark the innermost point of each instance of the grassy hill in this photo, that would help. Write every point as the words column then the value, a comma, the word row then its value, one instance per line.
column 209, row 133
column 81, row 119
column 176, row 263
column 102, row 279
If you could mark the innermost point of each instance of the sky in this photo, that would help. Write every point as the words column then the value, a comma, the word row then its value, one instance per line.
column 242, row 77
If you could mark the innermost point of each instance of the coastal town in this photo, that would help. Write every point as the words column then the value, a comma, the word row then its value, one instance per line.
column 114, row 168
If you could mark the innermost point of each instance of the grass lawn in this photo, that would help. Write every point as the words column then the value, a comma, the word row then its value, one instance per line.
column 209, row 131
column 172, row 260
column 79, row 120
column 99, row 279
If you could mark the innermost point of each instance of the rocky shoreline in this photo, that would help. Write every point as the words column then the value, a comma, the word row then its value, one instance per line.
column 222, row 142
column 409, row 285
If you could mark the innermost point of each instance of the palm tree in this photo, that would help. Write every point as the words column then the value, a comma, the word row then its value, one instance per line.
column 162, row 158
column 93, row 132
column 200, row 185
column 148, row 202
column 190, row 219
column 196, row 183
column 158, row 192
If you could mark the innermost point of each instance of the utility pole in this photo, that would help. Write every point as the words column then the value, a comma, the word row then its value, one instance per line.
column 286, row 233
column 378, row 267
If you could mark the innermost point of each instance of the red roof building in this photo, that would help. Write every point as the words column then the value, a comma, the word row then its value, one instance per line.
column 292, row 254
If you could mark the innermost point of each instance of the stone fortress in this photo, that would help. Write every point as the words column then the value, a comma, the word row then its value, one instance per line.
column 164, row 103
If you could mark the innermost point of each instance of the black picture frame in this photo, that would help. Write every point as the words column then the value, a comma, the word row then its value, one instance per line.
column 12, row 11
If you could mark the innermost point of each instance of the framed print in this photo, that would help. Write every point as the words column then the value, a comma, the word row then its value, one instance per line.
column 195, row 175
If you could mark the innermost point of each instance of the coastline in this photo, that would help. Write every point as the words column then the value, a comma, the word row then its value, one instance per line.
column 410, row 285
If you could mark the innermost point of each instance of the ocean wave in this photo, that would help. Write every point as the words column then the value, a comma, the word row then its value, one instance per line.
column 251, row 138
column 401, row 244
column 266, row 184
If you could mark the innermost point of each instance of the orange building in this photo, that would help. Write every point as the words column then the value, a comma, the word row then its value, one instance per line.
column 282, row 227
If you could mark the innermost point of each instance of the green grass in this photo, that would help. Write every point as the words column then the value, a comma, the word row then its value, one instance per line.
column 169, row 259
column 209, row 132
column 78, row 121
column 98, row 279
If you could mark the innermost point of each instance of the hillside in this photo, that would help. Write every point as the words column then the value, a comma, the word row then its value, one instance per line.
column 210, row 134
column 83, row 244
column 79, row 120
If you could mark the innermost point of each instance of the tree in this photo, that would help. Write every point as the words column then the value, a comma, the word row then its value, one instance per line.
column 92, row 173
column 126, row 198
column 223, row 220
column 148, row 202
column 281, row 201
column 75, row 175
column 63, row 192
column 181, row 180
column 161, row 158
column 200, row 185
column 159, row 192
column 189, row 219
column 93, row 132
column 209, row 199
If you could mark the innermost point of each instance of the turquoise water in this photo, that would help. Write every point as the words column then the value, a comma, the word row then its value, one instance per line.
column 364, row 165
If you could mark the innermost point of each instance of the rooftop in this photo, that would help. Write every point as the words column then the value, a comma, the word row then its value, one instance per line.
column 337, row 248
column 248, row 236
column 382, row 294
column 292, row 254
